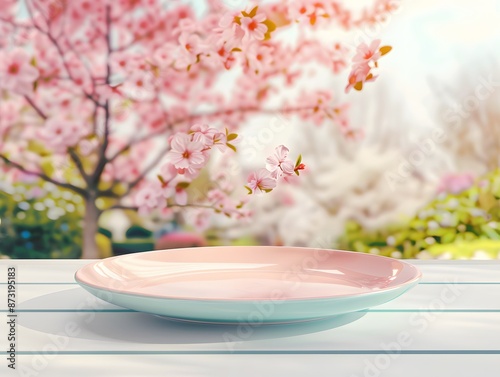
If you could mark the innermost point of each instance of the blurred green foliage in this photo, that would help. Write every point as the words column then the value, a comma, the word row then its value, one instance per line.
column 40, row 221
column 457, row 224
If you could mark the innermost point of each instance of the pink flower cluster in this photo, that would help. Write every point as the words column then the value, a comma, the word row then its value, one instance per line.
column 278, row 166
column 104, row 81
column 59, row 133
column 364, row 61
column 189, row 153
column 320, row 105
column 318, row 12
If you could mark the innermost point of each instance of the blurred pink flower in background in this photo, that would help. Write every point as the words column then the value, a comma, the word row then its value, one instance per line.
column 455, row 183
column 16, row 72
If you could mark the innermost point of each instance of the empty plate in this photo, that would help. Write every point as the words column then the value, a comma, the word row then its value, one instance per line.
column 248, row 284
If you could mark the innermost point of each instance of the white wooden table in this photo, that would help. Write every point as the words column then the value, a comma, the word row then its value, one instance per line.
column 449, row 325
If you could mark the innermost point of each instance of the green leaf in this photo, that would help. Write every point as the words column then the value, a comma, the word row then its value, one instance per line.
column 249, row 190
column 38, row 148
column 183, row 185
column 299, row 160
column 267, row 190
column 161, row 179
column 231, row 146
column 47, row 166
column 490, row 232
column 448, row 237
column 486, row 201
column 231, row 137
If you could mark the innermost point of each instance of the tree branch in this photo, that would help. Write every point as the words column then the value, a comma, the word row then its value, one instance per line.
column 35, row 107
column 134, row 208
column 43, row 176
column 120, row 206
column 79, row 165
column 55, row 43
column 101, row 164
column 109, row 192
column 150, row 167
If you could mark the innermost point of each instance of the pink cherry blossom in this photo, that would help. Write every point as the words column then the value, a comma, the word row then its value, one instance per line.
column 360, row 74
column 168, row 172
column 318, row 106
column 16, row 72
column 60, row 133
column 278, row 163
column 140, row 86
column 186, row 153
column 261, row 181
column 204, row 134
column 260, row 57
column 338, row 57
column 301, row 10
column 149, row 198
column 365, row 60
column 253, row 27
column 314, row 11
column 126, row 168
column 181, row 196
column 366, row 54
column 88, row 146
column 198, row 218
column 9, row 111
column 190, row 48
column 164, row 56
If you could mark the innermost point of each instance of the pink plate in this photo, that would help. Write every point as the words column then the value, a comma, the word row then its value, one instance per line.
column 227, row 284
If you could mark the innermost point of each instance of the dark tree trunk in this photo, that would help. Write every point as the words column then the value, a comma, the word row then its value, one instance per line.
column 90, row 228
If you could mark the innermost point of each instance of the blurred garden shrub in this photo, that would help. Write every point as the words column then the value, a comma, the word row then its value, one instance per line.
column 40, row 221
column 454, row 225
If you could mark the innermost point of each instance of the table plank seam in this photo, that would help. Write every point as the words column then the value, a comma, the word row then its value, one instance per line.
column 271, row 352
column 420, row 283
column 360, row 311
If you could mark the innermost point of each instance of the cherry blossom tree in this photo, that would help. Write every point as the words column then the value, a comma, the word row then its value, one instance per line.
column 98, row 96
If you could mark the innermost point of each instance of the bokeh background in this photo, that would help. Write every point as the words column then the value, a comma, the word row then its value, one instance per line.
column 423, row 181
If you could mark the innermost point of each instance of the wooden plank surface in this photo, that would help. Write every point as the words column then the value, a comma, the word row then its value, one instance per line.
column 449, row 325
